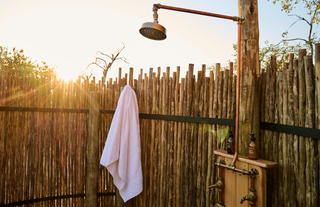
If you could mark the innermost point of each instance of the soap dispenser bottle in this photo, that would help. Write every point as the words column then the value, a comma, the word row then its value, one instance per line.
column 253, row 154
column 230, row 143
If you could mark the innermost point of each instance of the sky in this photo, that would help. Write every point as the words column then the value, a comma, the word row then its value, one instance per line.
column 67, row 34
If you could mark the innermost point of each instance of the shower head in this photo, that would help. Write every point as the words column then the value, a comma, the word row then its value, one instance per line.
column 153, row 30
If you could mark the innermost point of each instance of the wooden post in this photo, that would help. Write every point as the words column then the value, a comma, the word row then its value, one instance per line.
column 317, row 83
column 317, row 72
column 92, row 152
column 301, row 191
column 312, row 176
column 250, row 69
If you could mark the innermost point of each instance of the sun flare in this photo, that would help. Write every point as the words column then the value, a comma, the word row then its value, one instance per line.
column 67, row 75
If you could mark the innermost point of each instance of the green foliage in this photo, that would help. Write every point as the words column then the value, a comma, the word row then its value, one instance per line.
column 312, row 7
column 16, row 63
column 281, row 51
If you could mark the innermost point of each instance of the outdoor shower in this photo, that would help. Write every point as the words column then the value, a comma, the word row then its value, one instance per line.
column 252, row 186
column 155, row 31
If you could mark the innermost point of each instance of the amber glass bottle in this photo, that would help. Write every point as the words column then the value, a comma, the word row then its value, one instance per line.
column 230, row 143
column 253, row 154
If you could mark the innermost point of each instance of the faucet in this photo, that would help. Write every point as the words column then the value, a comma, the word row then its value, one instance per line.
column 251, row 197
column 219, row 185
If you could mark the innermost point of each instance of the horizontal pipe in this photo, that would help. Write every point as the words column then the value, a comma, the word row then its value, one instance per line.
column 243, row 171
column 233, row 18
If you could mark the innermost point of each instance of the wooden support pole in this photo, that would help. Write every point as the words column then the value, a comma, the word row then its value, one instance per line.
column 92, row 152
column 312, row 177
column 131, row 77
column 317, row 73
column 250, row 70
column 317, row 83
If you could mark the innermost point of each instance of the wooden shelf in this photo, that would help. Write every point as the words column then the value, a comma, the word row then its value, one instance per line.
column 258, row 162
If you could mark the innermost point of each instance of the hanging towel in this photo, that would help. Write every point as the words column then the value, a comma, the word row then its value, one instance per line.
column 122, row 154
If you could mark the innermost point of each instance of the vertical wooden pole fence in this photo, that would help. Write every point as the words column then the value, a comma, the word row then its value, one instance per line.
column 50, row 155
column 92, row 152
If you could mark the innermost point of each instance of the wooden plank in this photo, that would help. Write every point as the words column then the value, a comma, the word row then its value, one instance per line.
column 258, row 162
column 260, row 185
column 275, row 181
column 210, row 142
column 176, row 141
column 198, row 106
column 220, row 75
column 301, row 191
column 296, row 176
column 250, row 68
column 204, row 146
column 317, row 85
column 290, row 121
column 312, row 176
column 236, row 185
column 285, row 137
column 92, row 155
column 180, row 146
column 230, row 186
column 242, row 185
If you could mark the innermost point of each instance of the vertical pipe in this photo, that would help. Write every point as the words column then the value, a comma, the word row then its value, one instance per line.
column 237, row 96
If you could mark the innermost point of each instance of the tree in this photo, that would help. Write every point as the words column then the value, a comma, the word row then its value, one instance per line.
column 281, row 51
column 15, row 62
column 103, row 63
column 312, row 10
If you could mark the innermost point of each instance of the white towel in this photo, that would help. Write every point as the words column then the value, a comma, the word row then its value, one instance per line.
column 122, row 154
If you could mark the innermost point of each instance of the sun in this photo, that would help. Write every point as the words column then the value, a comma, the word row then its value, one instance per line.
column 67, row 74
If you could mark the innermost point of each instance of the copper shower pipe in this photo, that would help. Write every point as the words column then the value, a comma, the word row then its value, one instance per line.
column 233, row 18
column 237, row 97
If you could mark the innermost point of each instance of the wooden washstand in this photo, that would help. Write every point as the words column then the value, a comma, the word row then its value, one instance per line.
column 246, row 180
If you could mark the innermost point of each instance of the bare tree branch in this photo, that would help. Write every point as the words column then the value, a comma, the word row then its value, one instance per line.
column 295, row 39
column 300, row 18
column 291, row 25
column 94, row 63
column 104, row 64
column 102, row 60
column 101, row 53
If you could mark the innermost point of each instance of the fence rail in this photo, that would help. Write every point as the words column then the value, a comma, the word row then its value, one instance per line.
column 288, row 129
column 52, row 198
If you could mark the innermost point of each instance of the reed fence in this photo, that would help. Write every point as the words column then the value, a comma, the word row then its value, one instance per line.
column 44, row 132
column 291, row 97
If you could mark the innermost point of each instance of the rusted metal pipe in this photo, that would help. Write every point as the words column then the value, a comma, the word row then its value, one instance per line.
column 236, row 153
column 233, row 18
column 253, row 172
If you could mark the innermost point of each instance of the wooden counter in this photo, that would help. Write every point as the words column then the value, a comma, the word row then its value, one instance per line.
column 236, row 185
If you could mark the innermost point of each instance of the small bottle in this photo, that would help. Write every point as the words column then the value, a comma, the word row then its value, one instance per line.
column 252, row 148
column 230, row 143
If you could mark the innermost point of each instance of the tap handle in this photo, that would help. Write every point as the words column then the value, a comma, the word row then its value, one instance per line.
column 251, row 197
column 243, row 199
column 219, row 185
